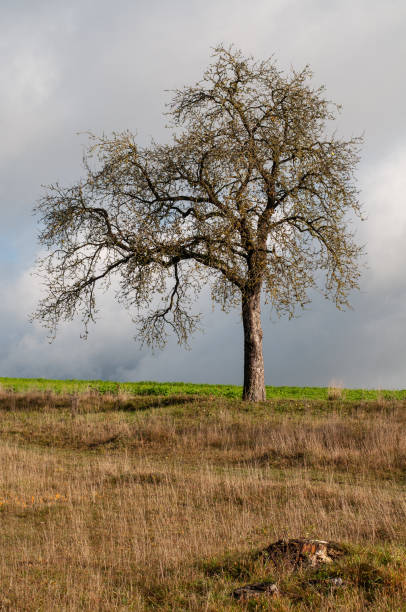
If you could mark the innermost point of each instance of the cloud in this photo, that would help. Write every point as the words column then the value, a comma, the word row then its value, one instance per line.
column 385, row 231
column 71, row 67
column 25, row 350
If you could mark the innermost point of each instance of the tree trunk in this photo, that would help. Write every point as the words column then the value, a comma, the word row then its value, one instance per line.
column 254, row 381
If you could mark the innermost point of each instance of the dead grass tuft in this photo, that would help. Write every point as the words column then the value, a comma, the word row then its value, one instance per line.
column 335, row 391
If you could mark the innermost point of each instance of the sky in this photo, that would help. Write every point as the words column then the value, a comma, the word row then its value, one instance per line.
column 68, row 68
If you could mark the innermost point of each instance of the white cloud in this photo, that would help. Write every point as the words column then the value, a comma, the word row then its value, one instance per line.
column 25, row 350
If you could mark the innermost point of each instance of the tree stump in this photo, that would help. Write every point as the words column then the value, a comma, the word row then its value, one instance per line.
column 301, row 551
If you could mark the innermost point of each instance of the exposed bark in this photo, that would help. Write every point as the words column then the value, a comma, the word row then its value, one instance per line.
column 254, row 380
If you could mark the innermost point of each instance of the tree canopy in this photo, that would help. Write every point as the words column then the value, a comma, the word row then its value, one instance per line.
column 251, row 196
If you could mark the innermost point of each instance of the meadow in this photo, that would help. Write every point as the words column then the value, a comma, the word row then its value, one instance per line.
column 151, row 496
column 174, row 388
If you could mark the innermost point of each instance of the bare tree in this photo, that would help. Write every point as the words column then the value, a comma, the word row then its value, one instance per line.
column 251, row 197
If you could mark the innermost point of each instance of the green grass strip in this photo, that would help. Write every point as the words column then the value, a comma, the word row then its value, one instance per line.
column 175, row 388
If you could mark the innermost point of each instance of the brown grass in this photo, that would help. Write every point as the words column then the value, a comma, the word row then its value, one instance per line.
column 157, row 503
column 335, row 391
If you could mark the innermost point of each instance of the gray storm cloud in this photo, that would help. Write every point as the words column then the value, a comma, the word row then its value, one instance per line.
column 71, row 67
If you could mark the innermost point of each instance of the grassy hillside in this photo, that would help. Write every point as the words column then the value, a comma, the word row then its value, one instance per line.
column 171, row 388
column 148, row 502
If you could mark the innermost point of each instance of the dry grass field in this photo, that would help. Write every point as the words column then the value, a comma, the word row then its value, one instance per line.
column 146, row 503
